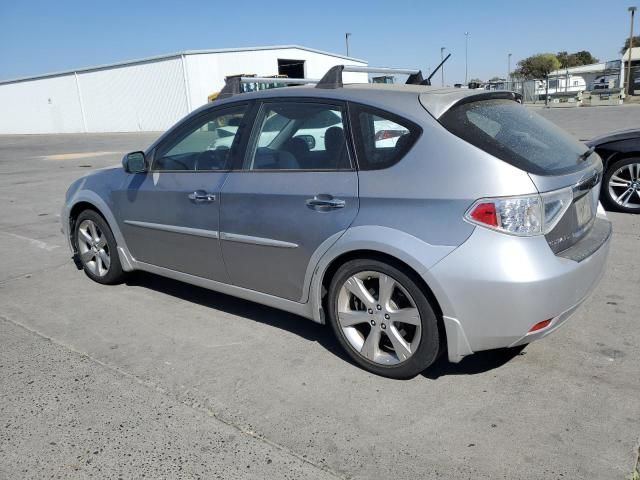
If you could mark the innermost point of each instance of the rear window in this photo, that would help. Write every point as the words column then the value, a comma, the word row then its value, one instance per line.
column 515, row 134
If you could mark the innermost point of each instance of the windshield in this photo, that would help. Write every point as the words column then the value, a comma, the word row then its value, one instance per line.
column 517, row 135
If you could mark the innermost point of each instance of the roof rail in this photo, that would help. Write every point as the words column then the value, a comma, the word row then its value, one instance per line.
column 333, row 78
column 234, row 84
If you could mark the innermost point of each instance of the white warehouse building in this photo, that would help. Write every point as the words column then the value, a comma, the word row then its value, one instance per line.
column 149, row 94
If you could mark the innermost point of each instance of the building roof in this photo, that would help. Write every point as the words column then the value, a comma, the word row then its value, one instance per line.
column 635, row 54
column 175, row 55
column 591, row 68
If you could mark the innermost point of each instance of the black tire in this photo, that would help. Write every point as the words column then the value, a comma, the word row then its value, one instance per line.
column 606, row 197
column 428, row 348
column 114, row 273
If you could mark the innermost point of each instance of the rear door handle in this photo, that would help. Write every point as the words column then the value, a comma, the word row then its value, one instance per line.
column 202, row 196
column 325, row 202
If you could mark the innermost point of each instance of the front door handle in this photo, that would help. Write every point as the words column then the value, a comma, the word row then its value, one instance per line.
column 202, row 196
column 325, row 202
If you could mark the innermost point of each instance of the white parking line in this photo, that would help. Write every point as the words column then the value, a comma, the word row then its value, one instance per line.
column 32, row 241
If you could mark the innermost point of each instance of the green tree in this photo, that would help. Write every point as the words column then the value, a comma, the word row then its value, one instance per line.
column 475, row 80
column 636, row 43
column 537, row 66
column 583, row 57
column 563, row 58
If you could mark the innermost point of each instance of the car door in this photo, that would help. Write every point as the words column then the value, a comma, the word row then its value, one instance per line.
column 169, row 215
column 288, row 201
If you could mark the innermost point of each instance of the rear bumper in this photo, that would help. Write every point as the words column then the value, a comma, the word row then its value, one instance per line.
column 495, row 287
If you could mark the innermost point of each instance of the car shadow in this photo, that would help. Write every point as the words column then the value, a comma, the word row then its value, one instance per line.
column 474, row 364
column 290, row 322
column 480, row 362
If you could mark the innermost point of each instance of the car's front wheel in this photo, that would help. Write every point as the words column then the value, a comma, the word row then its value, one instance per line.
column 621, row 185
column 96, row 248
column 383, row 319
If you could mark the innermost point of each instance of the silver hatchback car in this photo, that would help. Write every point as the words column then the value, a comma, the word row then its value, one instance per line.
column 414, row 220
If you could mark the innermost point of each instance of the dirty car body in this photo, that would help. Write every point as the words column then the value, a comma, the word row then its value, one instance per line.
column 489, row 211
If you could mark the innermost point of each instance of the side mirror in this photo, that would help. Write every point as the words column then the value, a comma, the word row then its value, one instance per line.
column 309, row 140
column 134, row 162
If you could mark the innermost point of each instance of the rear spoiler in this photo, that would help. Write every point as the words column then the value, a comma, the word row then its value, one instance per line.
column 438, row 105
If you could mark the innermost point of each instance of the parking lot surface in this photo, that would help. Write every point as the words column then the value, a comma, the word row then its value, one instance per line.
column 162, row 379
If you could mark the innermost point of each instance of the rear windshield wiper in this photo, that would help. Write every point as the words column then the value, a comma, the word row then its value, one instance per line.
column 587, row 154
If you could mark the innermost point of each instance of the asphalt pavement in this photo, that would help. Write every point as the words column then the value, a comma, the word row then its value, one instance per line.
column 160, row 379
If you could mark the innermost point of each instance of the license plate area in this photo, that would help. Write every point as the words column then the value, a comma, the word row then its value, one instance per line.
column 577, row 222
column 584, row 210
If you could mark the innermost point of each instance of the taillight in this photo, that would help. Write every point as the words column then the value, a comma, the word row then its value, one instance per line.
column 540, row 325
column 387, row 134
column 524, row 215
column 485, row 213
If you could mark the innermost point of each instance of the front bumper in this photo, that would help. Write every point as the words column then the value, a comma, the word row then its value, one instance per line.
column 65, row 227
column 495, row 287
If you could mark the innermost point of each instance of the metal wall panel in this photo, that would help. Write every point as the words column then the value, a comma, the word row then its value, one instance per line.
column 149, row 95
column 141, row 97
column 47, row 105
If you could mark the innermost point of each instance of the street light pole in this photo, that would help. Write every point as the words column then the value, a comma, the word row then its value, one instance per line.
column 466, row 57
column 509, row 68
column 442, row 49
column 628, row 90
column 346, row 39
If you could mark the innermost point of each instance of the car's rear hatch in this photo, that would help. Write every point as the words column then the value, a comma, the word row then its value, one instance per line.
column 554, row 160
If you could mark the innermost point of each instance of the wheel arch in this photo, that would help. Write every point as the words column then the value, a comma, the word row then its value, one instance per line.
column 372, row 254
column 87, row 200
column 392, row 260
column 617, row 155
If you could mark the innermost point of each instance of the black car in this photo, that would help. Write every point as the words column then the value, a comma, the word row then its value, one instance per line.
column 620, row 153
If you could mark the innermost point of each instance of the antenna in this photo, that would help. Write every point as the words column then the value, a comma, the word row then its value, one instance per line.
column 435, row 70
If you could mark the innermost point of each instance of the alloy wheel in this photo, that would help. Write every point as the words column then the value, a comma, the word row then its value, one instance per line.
column 379, row 318
column 624, row 186
column 93, row 248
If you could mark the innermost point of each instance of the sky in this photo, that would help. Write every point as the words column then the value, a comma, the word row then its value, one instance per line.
column 46, row 36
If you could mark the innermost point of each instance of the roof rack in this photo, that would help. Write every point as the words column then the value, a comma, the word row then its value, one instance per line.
column 333, row 78
column 236, row 84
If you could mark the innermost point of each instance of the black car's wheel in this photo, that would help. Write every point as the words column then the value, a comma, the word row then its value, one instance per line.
column 96, row 248
column 621, row 185
column 383, row 319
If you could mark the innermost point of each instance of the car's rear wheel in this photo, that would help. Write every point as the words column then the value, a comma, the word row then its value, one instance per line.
column 621, row 186
column 383, row 319
column 96, row 248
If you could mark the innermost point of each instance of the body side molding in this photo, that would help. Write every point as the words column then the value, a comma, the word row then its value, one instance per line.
column 199, row 232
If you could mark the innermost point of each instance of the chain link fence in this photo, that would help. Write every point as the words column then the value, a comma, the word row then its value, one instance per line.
column 527, row 88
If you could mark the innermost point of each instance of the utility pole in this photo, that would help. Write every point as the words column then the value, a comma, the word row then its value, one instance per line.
column 346, row 39
column 509, row 67
column 628, row 89
column 442, row 49
column 466, row 57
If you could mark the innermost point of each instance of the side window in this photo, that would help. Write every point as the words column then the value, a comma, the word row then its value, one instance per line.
column 382, row 138
column 204, row 146
column 299, row 136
